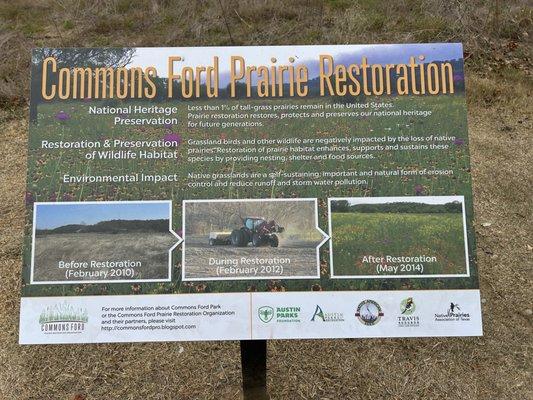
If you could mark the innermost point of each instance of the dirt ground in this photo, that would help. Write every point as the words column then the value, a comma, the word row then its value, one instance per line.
column 301, row 255
column 150, row 249
column 499, row 86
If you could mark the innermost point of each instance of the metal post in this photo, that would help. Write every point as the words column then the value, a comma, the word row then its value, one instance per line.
column 253, row 362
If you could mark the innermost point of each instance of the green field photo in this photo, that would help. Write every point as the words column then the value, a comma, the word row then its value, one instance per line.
column 399, row 237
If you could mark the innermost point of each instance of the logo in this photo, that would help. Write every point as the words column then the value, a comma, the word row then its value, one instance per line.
column 369, row 312
column 327, row 317
column 279, row 314
column 63, row 318
column 407, row 306
column 266, row 313
column 454, row 313
column 407, row 309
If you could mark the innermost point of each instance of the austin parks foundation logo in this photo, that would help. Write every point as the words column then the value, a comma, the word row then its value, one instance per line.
column 63, row 318
column 278, row 314
column 265, row 313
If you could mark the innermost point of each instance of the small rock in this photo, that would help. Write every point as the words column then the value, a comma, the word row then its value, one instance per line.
column 486, row 224
column 528, row 311
column 529, row 247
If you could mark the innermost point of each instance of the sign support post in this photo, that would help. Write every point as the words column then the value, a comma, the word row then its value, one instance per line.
column 253, row 363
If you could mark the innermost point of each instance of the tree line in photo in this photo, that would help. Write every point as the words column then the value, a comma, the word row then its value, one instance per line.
column 204, row 217
column 111, row 226
column 343, row 206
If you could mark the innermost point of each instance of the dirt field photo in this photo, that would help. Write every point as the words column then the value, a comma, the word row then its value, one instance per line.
column 148, row 249
column 298, row 258
column 497, row 43
column 279, row 239
column 108, row 241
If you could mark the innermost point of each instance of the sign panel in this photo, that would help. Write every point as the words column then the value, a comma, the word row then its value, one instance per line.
column 248, row 193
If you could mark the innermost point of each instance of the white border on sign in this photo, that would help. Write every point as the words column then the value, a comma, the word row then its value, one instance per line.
column 168, row 279
column 379, row 200
column 246, row 278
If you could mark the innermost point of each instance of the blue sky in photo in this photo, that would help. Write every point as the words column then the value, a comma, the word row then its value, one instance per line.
column 308, row 55
column 49, row 216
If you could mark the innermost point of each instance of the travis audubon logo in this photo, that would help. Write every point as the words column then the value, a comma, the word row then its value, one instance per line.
column 407, row 309
column 63, row 318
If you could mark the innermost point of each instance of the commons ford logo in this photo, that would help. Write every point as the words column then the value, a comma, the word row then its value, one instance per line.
column 63, row 318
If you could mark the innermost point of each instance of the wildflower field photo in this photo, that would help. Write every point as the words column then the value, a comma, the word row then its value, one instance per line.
column 398, row 237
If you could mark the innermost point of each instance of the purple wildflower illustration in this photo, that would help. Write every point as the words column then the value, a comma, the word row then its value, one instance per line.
column 172, row 138
column 62, row 116
column 67, row 197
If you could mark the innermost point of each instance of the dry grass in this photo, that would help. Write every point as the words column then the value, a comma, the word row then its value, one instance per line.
column 496, row 366
column 149, row 248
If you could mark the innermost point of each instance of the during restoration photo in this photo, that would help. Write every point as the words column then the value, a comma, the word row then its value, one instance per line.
column 250, row 239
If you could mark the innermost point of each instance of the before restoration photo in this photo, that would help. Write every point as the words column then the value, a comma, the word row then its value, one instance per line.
column 106, row 241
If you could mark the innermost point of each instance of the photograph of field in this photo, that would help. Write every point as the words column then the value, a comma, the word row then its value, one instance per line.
column 253, row 239
column 398, row 237
column 111, row 241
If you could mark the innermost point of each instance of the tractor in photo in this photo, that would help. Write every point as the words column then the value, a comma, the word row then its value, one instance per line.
column 255, row 230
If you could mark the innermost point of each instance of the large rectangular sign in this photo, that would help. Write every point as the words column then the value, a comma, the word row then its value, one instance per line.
column 226, row 193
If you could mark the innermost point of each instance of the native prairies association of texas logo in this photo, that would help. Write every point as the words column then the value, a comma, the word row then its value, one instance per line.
column 63, row 318
column 454, row 313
